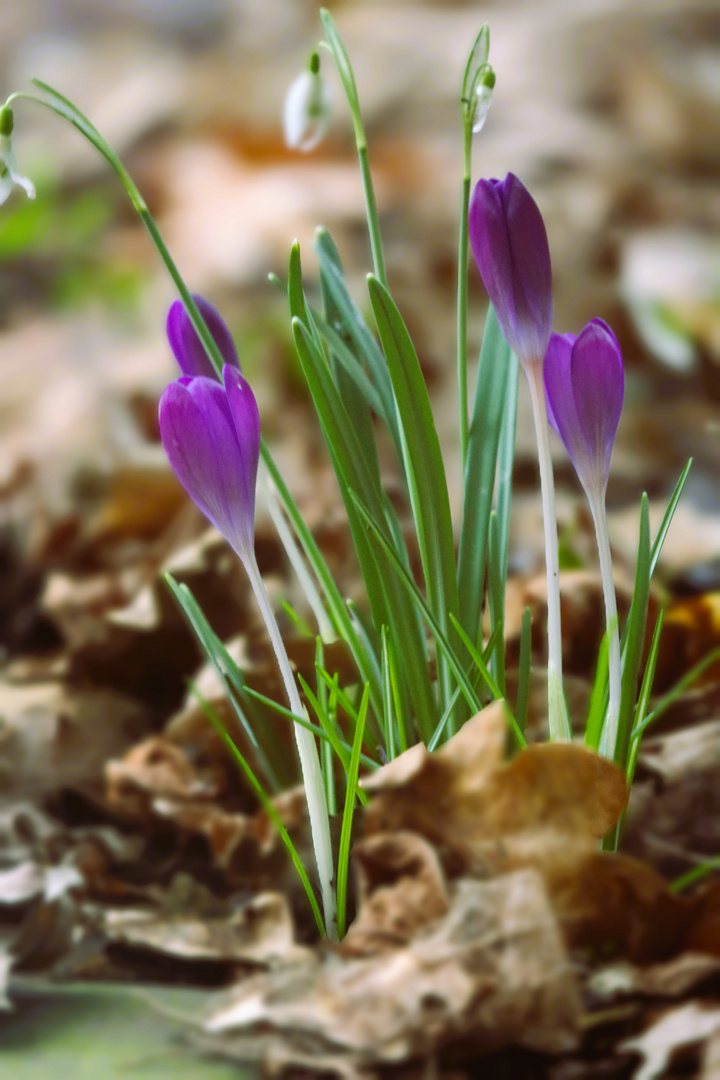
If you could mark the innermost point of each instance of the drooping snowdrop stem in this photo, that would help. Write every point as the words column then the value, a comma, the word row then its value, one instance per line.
column 610, row 729
column 335, row 45
column 307, row 751
column 558, row 720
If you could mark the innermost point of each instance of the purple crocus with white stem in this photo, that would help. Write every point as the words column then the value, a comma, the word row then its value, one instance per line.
column 508, row 239
column 211, row 434
column 584, row 387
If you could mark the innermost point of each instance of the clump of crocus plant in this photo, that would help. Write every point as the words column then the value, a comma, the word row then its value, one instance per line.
column 211, row 434
column 510, row 245
column 584, row 386
column 10, row 176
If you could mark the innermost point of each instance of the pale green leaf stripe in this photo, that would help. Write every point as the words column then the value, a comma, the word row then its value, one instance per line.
column 644, row 698
column 424, row 469
column 352, row 398
column 366, row 347
column 360, row 648
column 485, row 426
column 388, row 602
column 634, row 642
column 347, row 820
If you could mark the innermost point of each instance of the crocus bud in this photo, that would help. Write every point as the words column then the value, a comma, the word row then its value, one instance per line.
column 9, row 174
column 306, row 115
column 189, row 350
column 584, row 388
column 510, row 245
column 211, row 435
column 483, row 96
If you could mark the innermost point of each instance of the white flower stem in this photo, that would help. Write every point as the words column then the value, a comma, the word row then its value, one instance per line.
column 558, row 720
column 610, row 729
column 307, row 751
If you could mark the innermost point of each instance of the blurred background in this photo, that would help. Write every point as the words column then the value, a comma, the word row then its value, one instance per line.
column 609, row 110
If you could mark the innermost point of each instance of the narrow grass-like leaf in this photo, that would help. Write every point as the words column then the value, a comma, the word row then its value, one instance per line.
column 668, row 516
column 361, row 649
column 634, row 642
column 496, row 594
column 318, row 731
column 644, row 697
column 505, row 466
column 478, row 660
column 352, row 398
column 439, row 732
column 492, row 386
column 388, row 712
column 424, row 469
column 443, row 644
column 326, row 750
column 351, row 793
column 524, row 669
column 696, row 874
column 361, row 339
column 598, row 698
column 389, row 604
column 267, row 805
column 229, row 673
column 672, row 695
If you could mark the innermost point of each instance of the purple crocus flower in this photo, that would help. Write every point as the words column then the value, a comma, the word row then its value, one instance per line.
column 584, row 387
column 211, row 435
column 188, row 348
column 510, row 245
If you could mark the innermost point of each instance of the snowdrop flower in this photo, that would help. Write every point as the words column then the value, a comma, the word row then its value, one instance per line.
column 307, row 108
column 10, row 176
column 483, row 94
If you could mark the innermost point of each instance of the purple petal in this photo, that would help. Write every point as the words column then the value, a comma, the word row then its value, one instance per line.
column 188, row 349
column 556, row 372
column 246, row 420
column 598, row 386
column 200, row 439
column 510, row 245
column 584, row 386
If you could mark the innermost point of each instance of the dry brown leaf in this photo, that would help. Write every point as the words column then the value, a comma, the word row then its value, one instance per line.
column 401, row 889
column 259, row 932
column 492, row 971
column 676, row 1028
column 549, row 802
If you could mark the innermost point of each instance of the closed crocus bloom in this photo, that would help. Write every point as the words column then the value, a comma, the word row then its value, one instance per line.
column 211, row 435
column 584, row 388
column 510, row 245
column 189, row 350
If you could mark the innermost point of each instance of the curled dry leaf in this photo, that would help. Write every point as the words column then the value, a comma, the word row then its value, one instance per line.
column 548, row 804
column 679, row 1027
column 401, row 889
column 259, row 932
column 491, row 971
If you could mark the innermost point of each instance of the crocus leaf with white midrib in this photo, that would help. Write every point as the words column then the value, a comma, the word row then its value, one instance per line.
column 584, row 387
column 510, row 245
column 211, row 434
